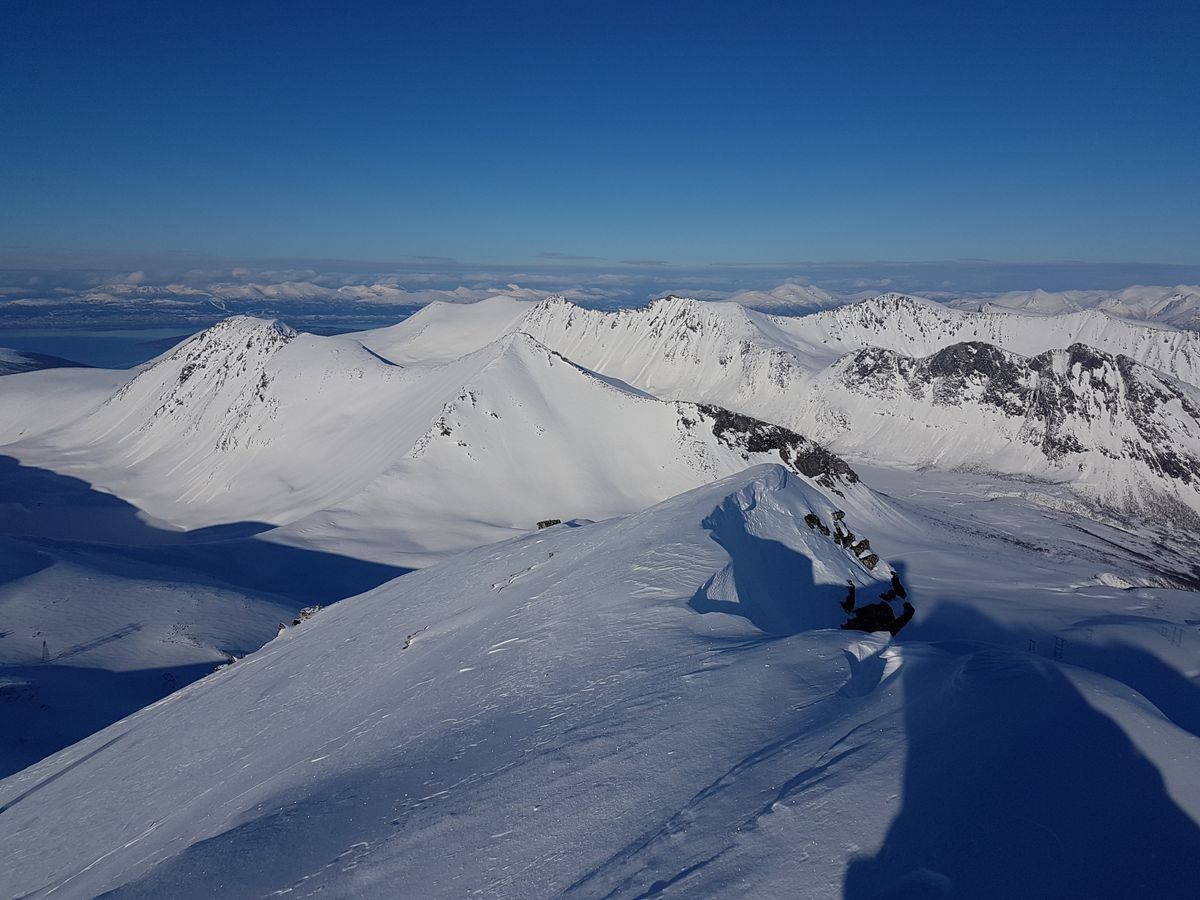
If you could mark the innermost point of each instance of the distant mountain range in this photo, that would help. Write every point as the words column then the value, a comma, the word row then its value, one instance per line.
column 525, row 410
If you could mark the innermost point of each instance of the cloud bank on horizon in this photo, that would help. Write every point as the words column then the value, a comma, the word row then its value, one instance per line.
column 166, row 291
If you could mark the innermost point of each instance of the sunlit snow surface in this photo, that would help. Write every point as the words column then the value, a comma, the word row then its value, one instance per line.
column 565, row 722
column 658, row 703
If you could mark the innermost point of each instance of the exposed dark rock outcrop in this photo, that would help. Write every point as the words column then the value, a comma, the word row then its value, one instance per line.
column 878, row 616
column 797, row 452
column 1068, row 401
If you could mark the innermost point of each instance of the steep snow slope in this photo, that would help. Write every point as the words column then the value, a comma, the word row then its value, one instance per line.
column 238, row 423
column 668, row 349
column 531, row 437
column 592, row 712
column 718, row 353
column 1124, row 431
column 662, row 344
column 804, row 373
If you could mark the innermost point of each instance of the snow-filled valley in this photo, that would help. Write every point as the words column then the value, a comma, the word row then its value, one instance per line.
column 656, row 693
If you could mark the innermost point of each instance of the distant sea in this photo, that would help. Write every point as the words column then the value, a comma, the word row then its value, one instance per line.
column 109, row 349
column 118, row 348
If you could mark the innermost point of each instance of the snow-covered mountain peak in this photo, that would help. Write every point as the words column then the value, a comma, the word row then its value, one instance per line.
column 1102, row 419
column 672, row 317
column 1177, row 306
column 789, row 298
column 345, row 721
column 442, row 332
column 884, row 313
column 190, row 435
column 238, row 332
column 224, row 368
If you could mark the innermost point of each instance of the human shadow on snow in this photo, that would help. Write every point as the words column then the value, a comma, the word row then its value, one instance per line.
column 1016, row 787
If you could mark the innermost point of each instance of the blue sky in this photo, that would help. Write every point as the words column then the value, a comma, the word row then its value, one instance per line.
column 691, row 133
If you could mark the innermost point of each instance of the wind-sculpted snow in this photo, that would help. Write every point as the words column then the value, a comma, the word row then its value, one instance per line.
column 441, row 332
column 659, row 347
column 548, row 649
column 657, row 704
column 103, row 610
column 240, row 423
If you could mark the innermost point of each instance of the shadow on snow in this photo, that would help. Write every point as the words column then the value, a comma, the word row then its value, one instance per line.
column 1016, row 787
column 46, row 518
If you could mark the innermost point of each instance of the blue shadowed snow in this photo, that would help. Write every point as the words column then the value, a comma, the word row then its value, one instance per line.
column 55, row 695
column 1016, row 786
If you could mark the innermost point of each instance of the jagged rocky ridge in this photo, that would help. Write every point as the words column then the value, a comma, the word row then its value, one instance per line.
column 1068, row 402
column 798, row 452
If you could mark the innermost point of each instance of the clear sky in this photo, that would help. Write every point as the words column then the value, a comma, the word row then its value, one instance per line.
column 693, row 133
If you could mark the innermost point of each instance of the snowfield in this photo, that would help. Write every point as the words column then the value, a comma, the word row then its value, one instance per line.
column 655, row 694
column 591, row 711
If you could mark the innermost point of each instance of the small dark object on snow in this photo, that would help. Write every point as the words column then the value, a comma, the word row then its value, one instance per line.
column 880, row 617
column 812, row 520
column 546, row 523
column 871, row 560
column 838, row 515
column 307, row 613
column 408, row 640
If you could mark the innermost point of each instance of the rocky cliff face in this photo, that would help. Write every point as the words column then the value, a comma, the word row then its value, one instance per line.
column 1068, row 404
column 220, row 378
column 754, row 436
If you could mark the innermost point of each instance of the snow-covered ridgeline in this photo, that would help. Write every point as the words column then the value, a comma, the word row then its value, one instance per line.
column 918, row 328
column 1177, row 306
column 249, row 421
column 596, row 711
